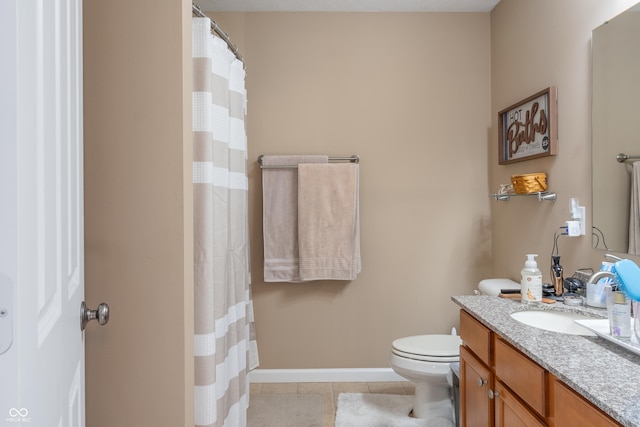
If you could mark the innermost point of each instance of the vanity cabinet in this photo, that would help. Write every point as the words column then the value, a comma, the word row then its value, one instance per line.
column 499, row 386
column 502, row 387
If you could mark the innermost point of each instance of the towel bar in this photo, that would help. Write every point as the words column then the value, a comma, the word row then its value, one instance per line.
column 623, row 158
column 351, row 159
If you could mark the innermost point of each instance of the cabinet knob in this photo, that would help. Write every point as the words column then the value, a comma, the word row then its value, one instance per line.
column 493, row 394
column 481, row 382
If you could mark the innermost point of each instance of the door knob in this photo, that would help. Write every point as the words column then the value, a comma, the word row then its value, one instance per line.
column 86, row 315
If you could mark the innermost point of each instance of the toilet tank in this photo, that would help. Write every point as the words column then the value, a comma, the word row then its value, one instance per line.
column 493, row 286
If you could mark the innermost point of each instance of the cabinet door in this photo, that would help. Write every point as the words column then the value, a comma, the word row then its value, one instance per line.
column 476, row 409
column 571, row 410
column 510, row 412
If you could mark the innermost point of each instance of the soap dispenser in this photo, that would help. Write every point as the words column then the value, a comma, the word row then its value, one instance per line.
column 556, row 275
column 531, row 281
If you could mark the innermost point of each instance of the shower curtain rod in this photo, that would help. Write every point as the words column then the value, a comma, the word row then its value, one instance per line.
column 195, row 9
column 351, row 159
column 623, row 158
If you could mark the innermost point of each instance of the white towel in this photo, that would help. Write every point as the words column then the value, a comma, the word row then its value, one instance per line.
column 280, row 217
column 634, row 211
column 328, row 221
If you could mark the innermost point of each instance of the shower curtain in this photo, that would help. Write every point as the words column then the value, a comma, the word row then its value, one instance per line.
column 224, row 342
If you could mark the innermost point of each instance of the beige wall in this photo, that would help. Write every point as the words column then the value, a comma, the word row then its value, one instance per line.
column 410, row 94
column 535, row 45
column 415, row 95
column 415, row 85
column 138, row 212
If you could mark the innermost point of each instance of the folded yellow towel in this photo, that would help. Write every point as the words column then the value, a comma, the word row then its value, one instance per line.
column 328, row 221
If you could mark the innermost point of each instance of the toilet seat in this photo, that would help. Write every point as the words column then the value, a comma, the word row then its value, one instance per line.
column 429, row 348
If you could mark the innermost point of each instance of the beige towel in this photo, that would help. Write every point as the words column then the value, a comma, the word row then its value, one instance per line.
column 634, row 211
column 280, row 217
column 328, row 221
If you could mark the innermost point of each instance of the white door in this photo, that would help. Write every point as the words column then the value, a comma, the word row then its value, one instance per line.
column 41, row 214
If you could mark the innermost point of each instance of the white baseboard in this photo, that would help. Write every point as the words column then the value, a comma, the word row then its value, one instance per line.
column 364, row 375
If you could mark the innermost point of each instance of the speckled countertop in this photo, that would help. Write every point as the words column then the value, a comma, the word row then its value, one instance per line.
column 604, row 373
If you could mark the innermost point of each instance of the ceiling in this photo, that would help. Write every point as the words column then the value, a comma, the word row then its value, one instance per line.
column 346, row 5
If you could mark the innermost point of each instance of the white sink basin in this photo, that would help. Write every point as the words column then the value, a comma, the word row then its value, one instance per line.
column 554, row 321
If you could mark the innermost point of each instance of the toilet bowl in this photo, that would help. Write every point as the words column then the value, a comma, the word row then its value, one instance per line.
column 424, row 360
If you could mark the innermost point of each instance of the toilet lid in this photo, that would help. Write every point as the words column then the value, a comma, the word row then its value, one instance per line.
column 428, row 347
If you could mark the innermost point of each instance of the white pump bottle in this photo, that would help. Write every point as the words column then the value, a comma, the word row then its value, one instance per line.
column 531, row 282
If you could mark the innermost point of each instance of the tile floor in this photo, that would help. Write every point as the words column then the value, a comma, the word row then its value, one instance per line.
column 330, row 392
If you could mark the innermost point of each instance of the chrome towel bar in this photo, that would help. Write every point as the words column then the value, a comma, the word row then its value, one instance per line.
column 623, row 158
column 351, row 159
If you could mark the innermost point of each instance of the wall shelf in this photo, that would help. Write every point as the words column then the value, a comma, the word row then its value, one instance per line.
column 542, row 195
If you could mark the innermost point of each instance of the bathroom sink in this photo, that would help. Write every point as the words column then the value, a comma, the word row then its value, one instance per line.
column 554, row 321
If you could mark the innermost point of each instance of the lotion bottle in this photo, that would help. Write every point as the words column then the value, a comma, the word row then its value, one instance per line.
column 531, row 281
column 620, row 320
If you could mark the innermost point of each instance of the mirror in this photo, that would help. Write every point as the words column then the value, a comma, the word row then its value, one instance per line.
column 615, row 47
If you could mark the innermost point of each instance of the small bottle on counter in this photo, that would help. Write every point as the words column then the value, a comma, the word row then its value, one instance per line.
column 531, row 281
column 620, row 320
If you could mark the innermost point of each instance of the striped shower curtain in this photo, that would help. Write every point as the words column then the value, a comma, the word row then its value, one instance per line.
column 225, row 346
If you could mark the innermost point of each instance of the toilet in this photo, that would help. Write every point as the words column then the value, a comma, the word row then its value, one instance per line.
column 424, row 360
column 494, row 287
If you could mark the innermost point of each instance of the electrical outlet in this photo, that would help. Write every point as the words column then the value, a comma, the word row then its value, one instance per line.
column 578, row 214
column 573, row 228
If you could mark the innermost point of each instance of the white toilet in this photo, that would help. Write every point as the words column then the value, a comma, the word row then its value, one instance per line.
column 424, row 360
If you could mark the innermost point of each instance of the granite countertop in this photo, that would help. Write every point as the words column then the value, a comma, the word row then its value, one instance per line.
column 605, row 374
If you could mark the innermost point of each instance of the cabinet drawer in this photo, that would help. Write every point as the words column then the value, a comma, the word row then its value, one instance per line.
column 475, row 336
column 522, row 375
column 571, row 410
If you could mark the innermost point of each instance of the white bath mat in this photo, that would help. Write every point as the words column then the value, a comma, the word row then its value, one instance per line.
column 380, row 410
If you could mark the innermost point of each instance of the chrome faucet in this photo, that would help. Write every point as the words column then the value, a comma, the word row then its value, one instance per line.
column 599, row 275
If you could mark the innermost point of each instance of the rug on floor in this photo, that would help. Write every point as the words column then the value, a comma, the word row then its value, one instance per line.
column 285, row 410
column 380, row 410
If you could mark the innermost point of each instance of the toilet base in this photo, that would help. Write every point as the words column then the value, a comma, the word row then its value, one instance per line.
column 428, row 406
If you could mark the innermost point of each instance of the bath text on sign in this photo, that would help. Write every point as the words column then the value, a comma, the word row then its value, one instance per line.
column 524, row 132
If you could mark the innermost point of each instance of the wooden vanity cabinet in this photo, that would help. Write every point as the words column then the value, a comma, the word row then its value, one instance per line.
column 501, row 387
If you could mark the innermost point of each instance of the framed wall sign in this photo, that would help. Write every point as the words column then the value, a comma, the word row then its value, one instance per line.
column 529, row 129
